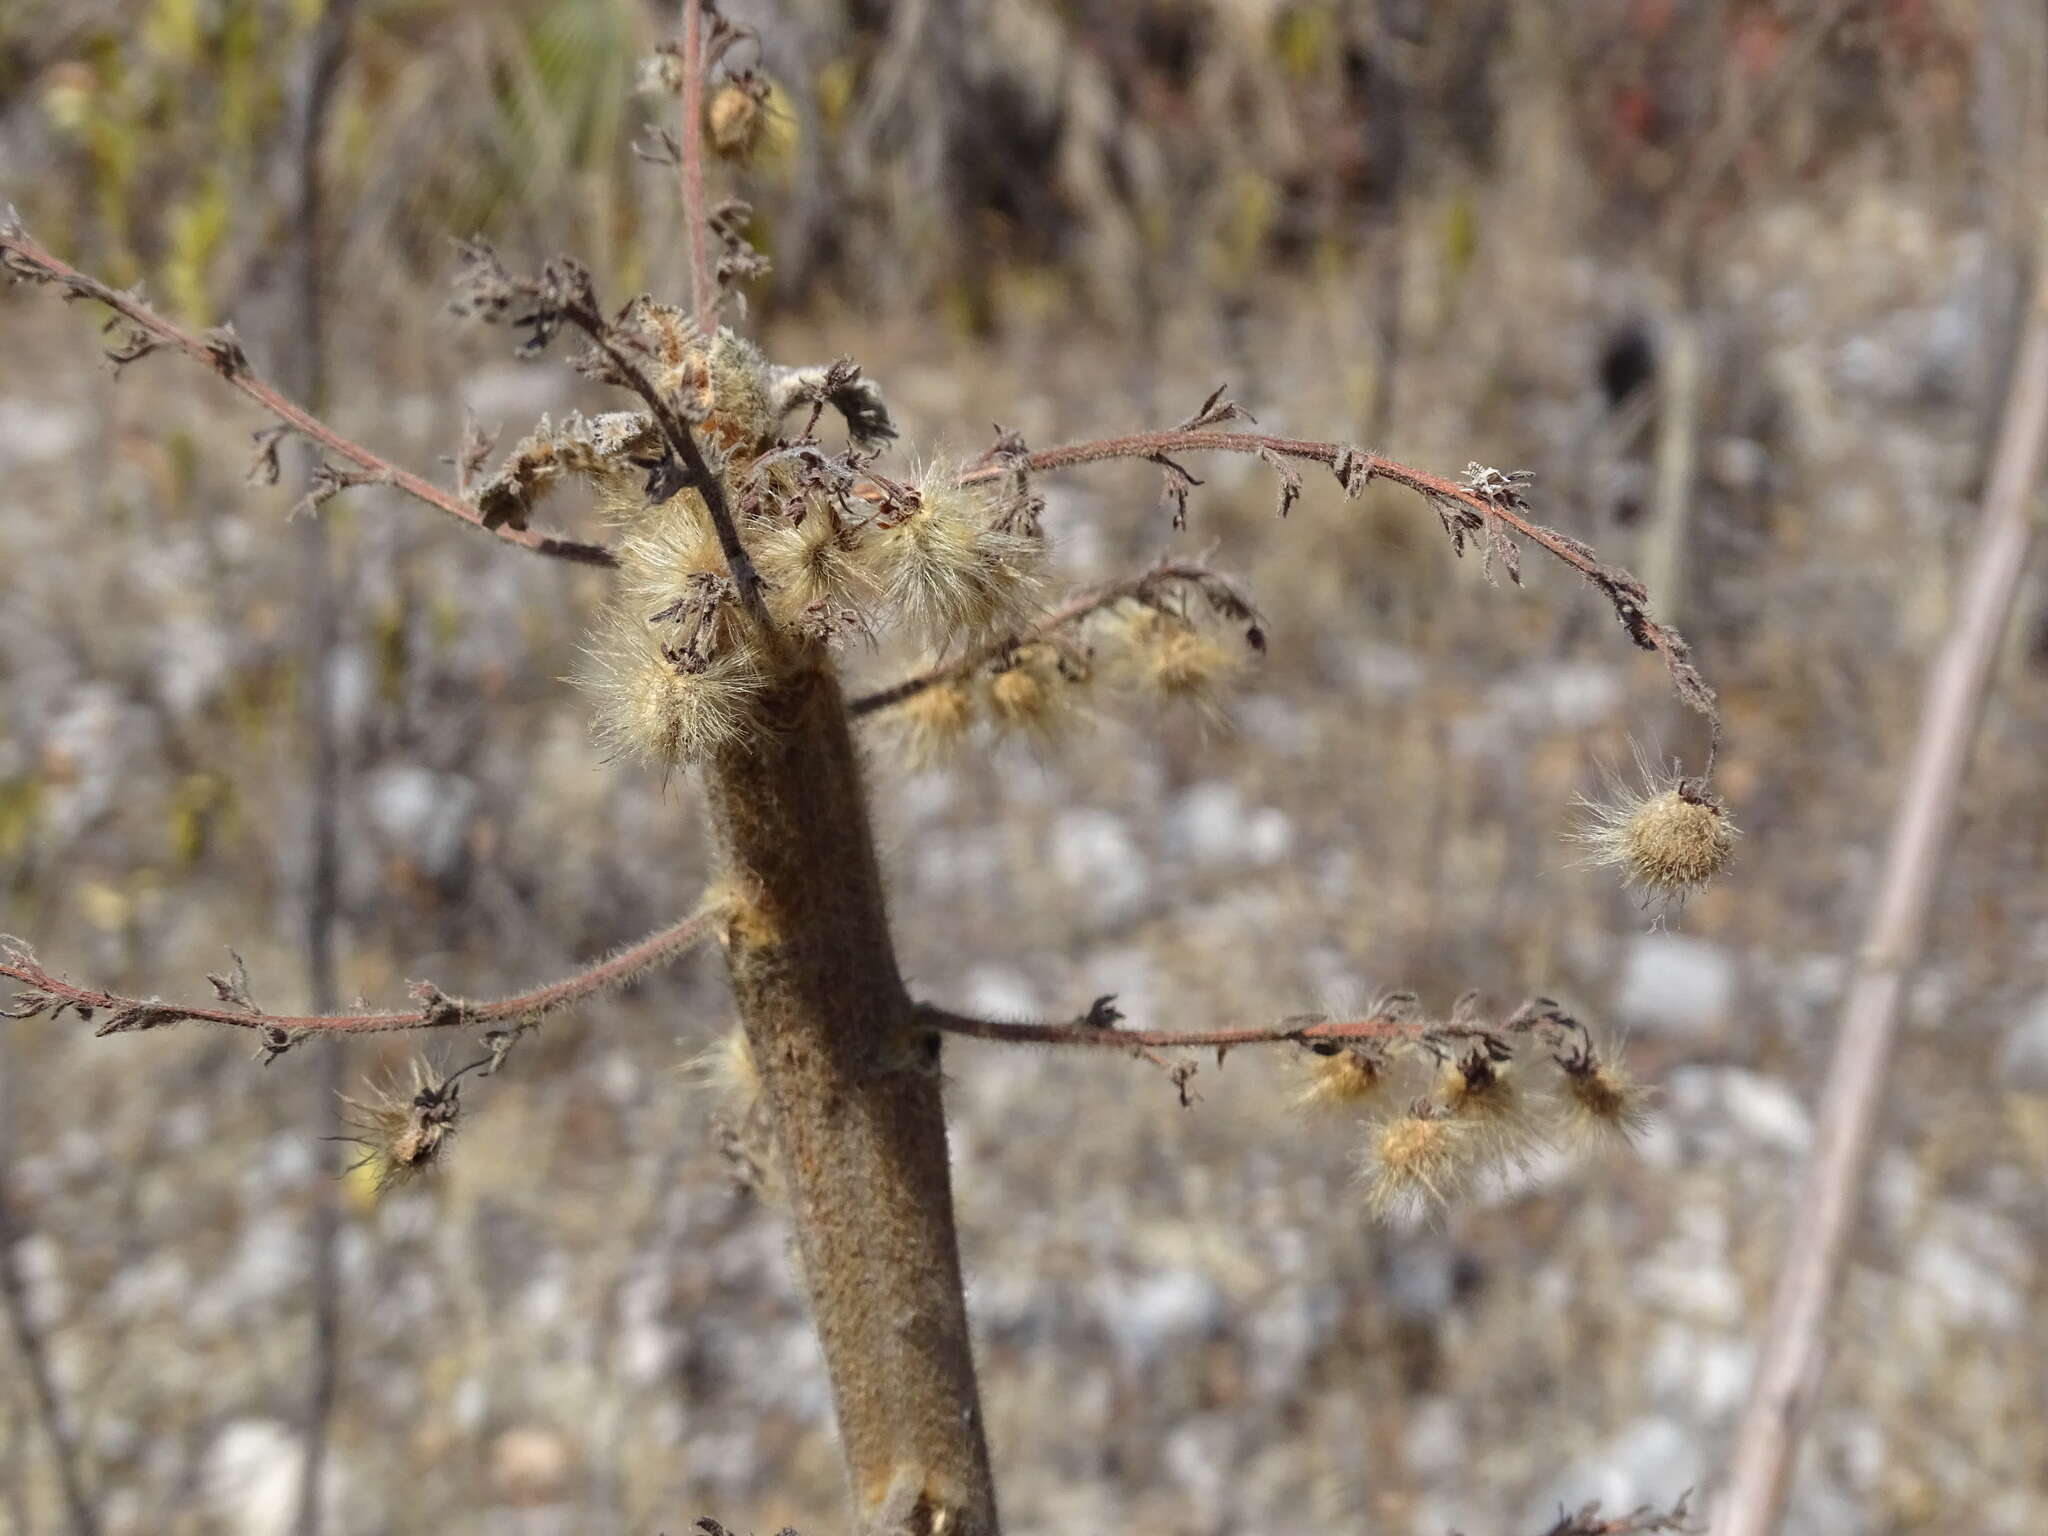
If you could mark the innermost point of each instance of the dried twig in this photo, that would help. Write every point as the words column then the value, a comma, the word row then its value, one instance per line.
column 690, row 169
column 564, row 294
column 1099, row 1028
column 24, row 260
column 52, row 995
column 82, row 1518
column 1476, row 507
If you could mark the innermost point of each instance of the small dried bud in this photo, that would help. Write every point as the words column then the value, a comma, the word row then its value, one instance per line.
column 746, row 1136
column 734, row 117
column 1669, row 839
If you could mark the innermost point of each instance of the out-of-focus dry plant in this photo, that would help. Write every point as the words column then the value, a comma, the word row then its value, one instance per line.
column 751, row 554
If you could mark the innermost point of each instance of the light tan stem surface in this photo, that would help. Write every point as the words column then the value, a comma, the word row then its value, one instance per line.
column 851, row 1079
column 1792, row 1354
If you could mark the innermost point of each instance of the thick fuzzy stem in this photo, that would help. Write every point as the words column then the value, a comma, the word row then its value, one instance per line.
column 851, row 1079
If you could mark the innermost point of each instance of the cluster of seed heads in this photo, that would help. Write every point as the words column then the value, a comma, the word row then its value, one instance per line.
column 1448, row 1104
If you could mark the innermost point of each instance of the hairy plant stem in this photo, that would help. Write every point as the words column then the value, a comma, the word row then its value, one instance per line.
column 851, row 1080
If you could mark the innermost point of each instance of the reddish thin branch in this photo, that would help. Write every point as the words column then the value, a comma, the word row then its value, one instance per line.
column 1073, row 611
column 1354, row 468
column 690, row 169
column 23, row 258
column 1306, row 1029
column 52, row 995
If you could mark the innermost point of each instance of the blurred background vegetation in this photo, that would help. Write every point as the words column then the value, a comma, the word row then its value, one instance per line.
column 1451, row 231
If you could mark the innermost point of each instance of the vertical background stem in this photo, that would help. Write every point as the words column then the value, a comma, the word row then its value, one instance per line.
column 302, row 363
column 1791, row 1357
column 696, row 227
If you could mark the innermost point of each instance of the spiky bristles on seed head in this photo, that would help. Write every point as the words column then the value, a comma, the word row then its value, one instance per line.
column 649, row 706
column 1342, row 1078
column 932, row 723
column 948, row 572
column 1419, row 1161
column 1602, row 1101
column 402, row 1130
column 1668, row 838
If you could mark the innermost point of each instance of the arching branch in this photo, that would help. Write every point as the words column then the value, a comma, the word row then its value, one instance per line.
column 146, row 331
column 45, row 993
column 1486, row 507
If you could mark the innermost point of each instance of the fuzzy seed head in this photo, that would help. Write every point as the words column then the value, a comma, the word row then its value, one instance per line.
column 1419, row 1161
column 727, row 1070
column 670, row 544
column 650, row 708
column 1345, row 1078
column 950, row 574
column 402, row 1130
column 1030, row 695
column 1484, row 1095
column 1165, row 656
column 733, row 119
column 1602, row 1101
column 813, row 564
column 932, row 723
column 1669, row 839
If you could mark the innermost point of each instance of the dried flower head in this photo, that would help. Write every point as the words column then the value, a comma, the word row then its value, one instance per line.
column 650, row 705
column 1031, row 693
column 1418, row 1161
column 814, row 563
column 1340, row 1077
column 721, row 382
column 734, row 117
column 1602, row 1102
column 1669, row 838
column 932, row 723
column 1164, row 656
column 400, row 1130
column 949, row 572
column 1481, row 1090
